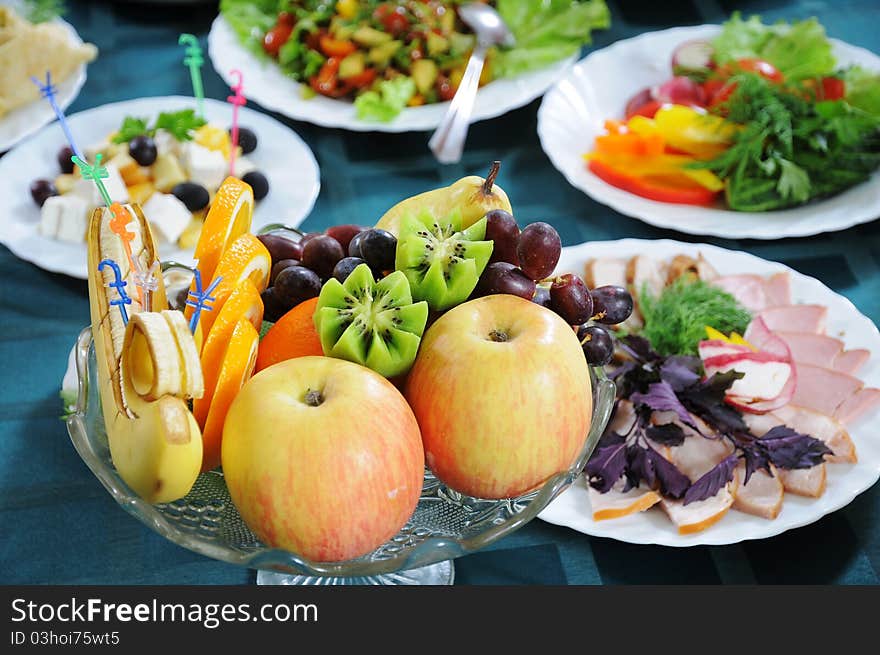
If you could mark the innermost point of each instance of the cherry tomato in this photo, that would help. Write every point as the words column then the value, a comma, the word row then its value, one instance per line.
column 335, row 47
column 652, row 189
column 445, row 90
column 717, row 91
column 359, row 81
column 833, row 88
column 751, row 65
column 285, row 18
column 393, row 18
column 276, row 37
column 647, row 110
column 326, row 82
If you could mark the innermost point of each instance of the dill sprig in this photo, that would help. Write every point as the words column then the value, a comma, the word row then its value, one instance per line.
column 41, row 11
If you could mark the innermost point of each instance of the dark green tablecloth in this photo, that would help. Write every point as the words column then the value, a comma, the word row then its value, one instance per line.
column 59, row 524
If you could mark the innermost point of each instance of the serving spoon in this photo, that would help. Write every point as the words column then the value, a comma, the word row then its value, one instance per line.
column 447, row 143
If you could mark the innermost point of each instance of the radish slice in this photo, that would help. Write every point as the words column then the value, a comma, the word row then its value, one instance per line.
column 680, row 90
column 692, row 57
column 638, row 101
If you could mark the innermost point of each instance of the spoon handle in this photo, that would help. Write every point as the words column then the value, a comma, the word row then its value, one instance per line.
column 447, row 143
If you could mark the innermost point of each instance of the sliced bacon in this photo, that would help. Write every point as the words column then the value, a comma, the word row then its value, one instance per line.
column 796, row 318
column 819, row 426
column 855, row 406
column 851, row 361
column 762, row 496
column 616, row 503
column 824, row 390
column 699, row 515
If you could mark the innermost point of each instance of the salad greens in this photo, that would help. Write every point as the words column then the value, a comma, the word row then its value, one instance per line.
column 862, row 89
column 798, row 50
column 791, row 149
column 386, row 100
column 41, row 11
column 676, row 319
column 178, row 123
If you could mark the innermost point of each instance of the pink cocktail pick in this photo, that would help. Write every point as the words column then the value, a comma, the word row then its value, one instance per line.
column 237, row 100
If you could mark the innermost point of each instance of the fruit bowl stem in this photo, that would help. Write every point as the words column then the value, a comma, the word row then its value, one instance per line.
column 441, row 573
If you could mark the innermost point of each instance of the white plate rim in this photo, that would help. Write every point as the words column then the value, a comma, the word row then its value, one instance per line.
column 8, row 188
column 265, row 85
column 850, row 210
column 842, row 489
column 68, row 90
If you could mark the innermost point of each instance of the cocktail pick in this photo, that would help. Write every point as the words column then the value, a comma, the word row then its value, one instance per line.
column 146, row 282
column 48, row 91
column 119, row 284
column 237, row 100
column 194, row 60
column 201, row 299
column 95, row 173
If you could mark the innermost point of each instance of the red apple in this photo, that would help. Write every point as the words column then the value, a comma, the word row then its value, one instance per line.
column 322, row 457
column 502, row 393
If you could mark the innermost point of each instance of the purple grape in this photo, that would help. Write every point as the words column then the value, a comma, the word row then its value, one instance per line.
column 280, row 247
column 295, row 284
column 570, row 298
column 273, row 308
column 344, row 234
column 378, row 248
column 258, row 182
column 597, row 344
column 143, row 150
column 65, row 163
column 354, row 246
column 502, row 230
column 538, row 250
column 542, row 297
column 611, row 304
column 502, row 277
column 345, row 266
column 42, row 190
column 321, row 254
column 279, row 266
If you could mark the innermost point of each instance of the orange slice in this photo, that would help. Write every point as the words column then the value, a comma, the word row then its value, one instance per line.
column 293, row 335
column 229, row 217
column 237, row 368
column 244, row 302
column 246, row 259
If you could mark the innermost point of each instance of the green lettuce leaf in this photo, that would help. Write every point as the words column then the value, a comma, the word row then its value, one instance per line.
column 798, row 50
column 385, row 101
column 250, row 20
column 863, row 89
column 547, row 31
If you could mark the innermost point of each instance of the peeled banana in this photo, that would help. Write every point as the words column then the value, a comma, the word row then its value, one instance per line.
column 146, row 370
column 473, row 196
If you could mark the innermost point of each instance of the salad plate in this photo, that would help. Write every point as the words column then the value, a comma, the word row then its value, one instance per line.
column 268, row 85
column 598, row 87
column 844, row 481
column 24, row 121
column 284, row 158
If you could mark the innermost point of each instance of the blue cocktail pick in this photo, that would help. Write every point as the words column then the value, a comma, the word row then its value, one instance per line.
column 48, row 91
column 201, row 299
column 118, row 284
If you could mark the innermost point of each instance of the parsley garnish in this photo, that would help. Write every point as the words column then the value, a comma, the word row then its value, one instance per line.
column 179, row 123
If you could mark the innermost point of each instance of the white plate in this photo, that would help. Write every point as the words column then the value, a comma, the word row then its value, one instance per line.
column 284, row 158
column 27, row 119
column 265, row 83
column 597, row 88
column 845, row 481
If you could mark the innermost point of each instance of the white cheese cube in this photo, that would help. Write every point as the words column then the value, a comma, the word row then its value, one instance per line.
column 167, row 215
column 65, row 218
column 204, row 166
column 114, row 184
column 166, row 144
column 243, row 166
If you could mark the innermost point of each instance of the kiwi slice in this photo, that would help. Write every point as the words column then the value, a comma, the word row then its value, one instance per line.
column 442, row 262
column 375, row 324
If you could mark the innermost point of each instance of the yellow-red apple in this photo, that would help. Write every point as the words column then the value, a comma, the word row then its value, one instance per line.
column 322, row 457
column 502, row 394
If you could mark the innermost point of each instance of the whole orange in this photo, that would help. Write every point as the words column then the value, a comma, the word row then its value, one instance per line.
column 293, row 335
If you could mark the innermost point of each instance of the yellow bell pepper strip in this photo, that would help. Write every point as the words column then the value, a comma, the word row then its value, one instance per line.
column 685, row 129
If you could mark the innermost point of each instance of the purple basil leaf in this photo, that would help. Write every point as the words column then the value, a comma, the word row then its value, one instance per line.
column 639, row 466
column 607, row 462
column 623, row 369
column 706, row 400
column 673, row 483
column 788, row 449
column 681, row 371
column 711, row 482
column 668, row 434
column 661, row 398
column 755, row 459
column 640, row 348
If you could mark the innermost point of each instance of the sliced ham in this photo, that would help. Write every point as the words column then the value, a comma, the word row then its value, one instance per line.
column 819, row 426
column 810, row 348
column 796, row 318
column 804, row 482
column 855, row 406
column 823, row 390
column 851, row 361
column 762, row 496
column 748, row 290
column 616, row 502
column 699, row 515
column 777, row 289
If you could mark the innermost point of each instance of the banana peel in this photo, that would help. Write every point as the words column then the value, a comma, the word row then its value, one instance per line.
column 155, row 443
column 473, row 196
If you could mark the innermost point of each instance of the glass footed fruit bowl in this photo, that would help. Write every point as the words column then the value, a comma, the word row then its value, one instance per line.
column 445, row 524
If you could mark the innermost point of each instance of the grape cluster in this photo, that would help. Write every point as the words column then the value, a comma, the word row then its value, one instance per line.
column 521, row 265
column 301, row 264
